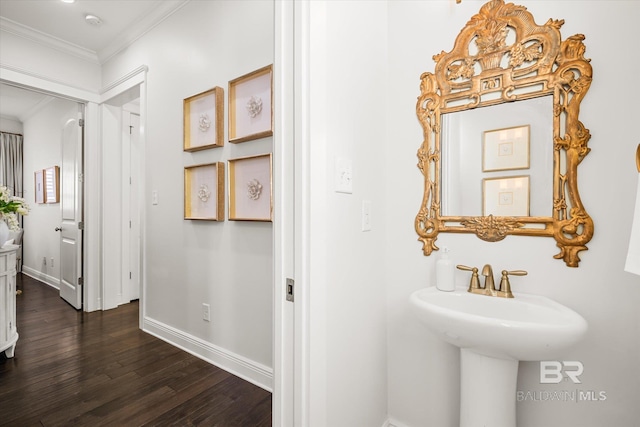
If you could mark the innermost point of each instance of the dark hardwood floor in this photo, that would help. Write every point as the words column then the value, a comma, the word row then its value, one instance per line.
column 99, row 369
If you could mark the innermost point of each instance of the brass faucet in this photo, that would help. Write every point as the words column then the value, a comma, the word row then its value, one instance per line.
column 489, row 288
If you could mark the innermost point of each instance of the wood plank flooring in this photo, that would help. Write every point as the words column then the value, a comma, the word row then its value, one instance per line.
column 99, row 369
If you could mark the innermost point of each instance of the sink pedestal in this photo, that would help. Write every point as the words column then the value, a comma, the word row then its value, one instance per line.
column 488, row 390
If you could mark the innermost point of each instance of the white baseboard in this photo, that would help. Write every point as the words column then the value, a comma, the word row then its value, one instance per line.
column 38, row 275
column 240, row 366
column 393, row 423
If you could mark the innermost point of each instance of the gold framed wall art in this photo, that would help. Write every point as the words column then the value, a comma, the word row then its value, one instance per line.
column 204, row 192
column 251, row 105
column 251, row 189
column 204, row 120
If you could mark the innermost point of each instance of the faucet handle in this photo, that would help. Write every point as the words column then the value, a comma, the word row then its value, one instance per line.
column 475, row 280
column 505, row 285
column 516, row 272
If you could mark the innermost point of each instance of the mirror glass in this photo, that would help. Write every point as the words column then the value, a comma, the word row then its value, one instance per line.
column 493, row 146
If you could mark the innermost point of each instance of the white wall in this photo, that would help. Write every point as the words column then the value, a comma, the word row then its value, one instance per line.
column 423, row 372
column 225, row 264
column 43, row 149
column 348, row 83
column 10, row 125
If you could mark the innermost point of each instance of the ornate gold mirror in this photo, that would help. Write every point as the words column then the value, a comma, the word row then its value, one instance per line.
column 502, row 138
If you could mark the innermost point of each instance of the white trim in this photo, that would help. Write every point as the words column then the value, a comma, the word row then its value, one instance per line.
column 154, row 17
column 303, row 408
column 92, row 215
column 284, row 217
column 40, row 83
column 142, row 144
column 47, row 40
column 249, row 370
column 161, row 12
column 42, row 277
column 124, row 83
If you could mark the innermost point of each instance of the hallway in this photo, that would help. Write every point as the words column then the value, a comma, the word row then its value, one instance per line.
column 99, row 368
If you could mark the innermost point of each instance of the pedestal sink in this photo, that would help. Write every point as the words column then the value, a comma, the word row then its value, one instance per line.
column 493, row 335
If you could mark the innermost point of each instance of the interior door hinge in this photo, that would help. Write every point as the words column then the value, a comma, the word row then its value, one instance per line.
column 81, row 122
column 290, row 289
column 80, row 281
column 81, row 225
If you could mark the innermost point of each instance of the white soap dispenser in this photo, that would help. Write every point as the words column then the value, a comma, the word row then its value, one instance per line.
column 445, row 272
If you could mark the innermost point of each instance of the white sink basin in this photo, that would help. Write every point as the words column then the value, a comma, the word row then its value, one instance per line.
column 527, row 327
column 494, row 334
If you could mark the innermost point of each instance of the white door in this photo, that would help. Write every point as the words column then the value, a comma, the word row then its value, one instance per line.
column 71, row 206
column 134, row 215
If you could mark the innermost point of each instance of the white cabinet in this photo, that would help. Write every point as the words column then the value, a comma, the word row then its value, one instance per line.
column 8, row 330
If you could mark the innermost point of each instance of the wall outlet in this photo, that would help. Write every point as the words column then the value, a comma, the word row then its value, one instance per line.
column 51, row 262
column 44, row 260
column 206, row 312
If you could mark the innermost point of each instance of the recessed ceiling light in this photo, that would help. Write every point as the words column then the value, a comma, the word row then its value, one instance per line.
column 93, row 20
column 68, row 1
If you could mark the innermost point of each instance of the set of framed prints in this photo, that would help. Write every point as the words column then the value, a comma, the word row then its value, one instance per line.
column 250, row 190
column 249, row 181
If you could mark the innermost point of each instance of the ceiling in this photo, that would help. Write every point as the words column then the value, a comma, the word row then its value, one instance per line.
column 64, row 26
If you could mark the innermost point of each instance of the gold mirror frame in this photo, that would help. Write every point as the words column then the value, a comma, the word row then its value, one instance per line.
column 540, row 63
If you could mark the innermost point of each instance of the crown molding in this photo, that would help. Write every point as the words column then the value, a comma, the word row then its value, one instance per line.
column 143, row 26
column 124, row 40
column 47, row 40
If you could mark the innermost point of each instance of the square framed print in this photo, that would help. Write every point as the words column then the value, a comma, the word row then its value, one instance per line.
column 506, row 149
column 204, row 192
column 506, row 196
column 52, row 184
column 39, row 185
column 204, row 120
column 251, row 105
column 250, row 189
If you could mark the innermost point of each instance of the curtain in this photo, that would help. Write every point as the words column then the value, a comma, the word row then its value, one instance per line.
column 11, row 162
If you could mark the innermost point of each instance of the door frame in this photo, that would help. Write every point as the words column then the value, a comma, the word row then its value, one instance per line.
column 291, row 382
column 91, row 252
column 137, row 77
column 130, row 175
